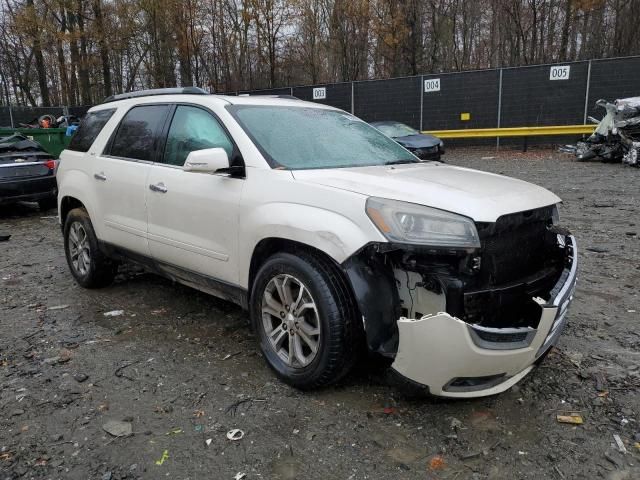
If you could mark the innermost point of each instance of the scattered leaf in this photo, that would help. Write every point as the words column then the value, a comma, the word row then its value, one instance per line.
column 437, row 463
column 573, row 418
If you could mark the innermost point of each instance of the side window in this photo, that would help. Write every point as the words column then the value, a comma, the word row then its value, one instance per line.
column 137, row 131
column 193, row 129
column 91, row 125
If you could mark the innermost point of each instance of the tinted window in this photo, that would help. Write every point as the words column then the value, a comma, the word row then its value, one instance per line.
column 90, row 127
column 193, row 129
column 137, row 132
column 305, row 137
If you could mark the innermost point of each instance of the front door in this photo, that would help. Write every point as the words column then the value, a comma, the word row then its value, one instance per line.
column 121, row 173
column 193, row 217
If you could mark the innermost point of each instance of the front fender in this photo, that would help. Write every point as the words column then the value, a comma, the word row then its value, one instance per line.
column 328, row 231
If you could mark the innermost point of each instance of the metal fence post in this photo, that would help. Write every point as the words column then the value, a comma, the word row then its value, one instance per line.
column 353, row 104
column 421, row 99
column 499, row 107
column 586, row 94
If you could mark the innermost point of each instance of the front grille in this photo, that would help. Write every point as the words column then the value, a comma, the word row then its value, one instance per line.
column 514, row 247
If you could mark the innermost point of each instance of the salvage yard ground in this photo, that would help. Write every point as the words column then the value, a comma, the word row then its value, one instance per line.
column 181, row 369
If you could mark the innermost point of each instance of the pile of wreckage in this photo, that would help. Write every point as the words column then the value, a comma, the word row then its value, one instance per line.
column 617, row 136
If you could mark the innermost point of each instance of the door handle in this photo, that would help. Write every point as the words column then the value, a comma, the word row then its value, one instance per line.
column 158, row 187
column 100, row 176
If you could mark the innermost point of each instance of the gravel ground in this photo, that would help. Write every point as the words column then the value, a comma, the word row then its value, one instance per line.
column 182, row 369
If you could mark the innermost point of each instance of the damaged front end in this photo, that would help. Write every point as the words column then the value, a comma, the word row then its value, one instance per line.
column 468, row 321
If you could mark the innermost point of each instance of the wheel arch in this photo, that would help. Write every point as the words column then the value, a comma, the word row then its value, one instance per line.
column 68, row 203
column 269, row 246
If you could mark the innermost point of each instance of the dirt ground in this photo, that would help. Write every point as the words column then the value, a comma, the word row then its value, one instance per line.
column 183, row 369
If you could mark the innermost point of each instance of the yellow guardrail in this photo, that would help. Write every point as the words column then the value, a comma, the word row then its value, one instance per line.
column 513, row 131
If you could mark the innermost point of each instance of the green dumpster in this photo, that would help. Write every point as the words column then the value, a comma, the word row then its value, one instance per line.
column 53, row 140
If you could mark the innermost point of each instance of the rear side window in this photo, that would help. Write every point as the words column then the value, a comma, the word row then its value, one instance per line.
column 91, row 125
column 135, row 137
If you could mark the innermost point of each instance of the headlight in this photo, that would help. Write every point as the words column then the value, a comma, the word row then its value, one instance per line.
column 416, row 224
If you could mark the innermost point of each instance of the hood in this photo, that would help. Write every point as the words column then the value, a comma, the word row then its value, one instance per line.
column 479, row 195
column 417, row 141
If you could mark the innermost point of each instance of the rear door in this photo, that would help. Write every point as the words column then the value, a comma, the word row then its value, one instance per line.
column 193, row 217
column 120, row 175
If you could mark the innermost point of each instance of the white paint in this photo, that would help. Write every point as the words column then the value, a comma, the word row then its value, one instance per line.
column 559, row 72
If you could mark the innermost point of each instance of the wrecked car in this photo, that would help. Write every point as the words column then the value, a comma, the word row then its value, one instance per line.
column 460, row 279
column 27, row 172
column 422, row 145
column 617, row 135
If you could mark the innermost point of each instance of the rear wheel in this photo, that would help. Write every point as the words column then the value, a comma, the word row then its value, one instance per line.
column 88, row 265
column 303, row 313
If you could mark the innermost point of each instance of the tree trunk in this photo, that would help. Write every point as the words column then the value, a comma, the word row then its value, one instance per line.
column 103, row 47
column 85, row 84
column 37, row 53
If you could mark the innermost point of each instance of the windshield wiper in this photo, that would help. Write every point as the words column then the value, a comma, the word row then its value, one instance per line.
column 401, row 162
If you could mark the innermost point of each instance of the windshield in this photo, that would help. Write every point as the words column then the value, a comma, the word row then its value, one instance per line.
column 300, row 138
column 394, row 130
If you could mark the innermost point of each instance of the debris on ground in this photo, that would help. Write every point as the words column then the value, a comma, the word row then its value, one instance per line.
column 58, row 307
column 163, row 458
column 573, row 418
column 437, row 463
column 455, row 423
column 230, row 355
column 619, row 443
column 597, row 249
column 240, row 476
column 118, row 428
column 114, row 313
column 4, row 238
column 235, row 434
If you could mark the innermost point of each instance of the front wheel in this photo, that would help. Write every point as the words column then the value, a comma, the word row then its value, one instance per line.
column 303, row 313
column 88, row 265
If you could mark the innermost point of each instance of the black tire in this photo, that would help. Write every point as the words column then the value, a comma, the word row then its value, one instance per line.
column 48, row 203
column 340, row 338
column 101, row 270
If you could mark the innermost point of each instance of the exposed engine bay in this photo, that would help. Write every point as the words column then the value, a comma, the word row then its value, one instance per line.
column 522, row 258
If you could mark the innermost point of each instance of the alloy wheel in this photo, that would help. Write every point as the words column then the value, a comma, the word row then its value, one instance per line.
column 290, row 320
column 79, row 248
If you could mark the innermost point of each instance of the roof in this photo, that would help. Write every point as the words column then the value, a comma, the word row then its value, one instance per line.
column 199, row 96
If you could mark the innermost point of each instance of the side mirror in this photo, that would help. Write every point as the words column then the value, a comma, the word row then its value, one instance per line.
column 209, row 160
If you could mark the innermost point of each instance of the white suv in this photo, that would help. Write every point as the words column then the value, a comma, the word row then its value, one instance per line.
column 330, row 234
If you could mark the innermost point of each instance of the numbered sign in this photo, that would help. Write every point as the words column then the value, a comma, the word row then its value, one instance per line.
column 559, row 72
column 320, row 93
column 432, row 85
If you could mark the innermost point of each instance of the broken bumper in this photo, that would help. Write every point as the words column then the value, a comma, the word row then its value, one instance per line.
column 456, row 359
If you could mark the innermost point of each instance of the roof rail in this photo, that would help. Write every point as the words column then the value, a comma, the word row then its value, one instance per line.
column 157, row 91
column 289, row 97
